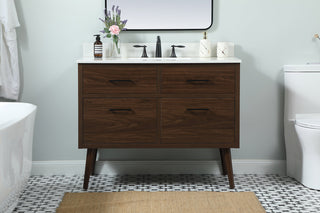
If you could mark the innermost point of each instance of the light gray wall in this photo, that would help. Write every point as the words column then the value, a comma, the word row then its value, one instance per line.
column 267, row 34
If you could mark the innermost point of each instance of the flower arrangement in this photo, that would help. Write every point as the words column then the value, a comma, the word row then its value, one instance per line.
column 114, row 25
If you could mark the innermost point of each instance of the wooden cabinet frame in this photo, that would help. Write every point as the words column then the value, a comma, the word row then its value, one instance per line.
column 168, row 100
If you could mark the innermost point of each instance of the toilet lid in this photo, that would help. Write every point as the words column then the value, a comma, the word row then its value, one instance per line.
column 308, row 123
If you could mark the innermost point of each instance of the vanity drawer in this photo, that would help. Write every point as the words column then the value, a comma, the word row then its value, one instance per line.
column 118, row 79
column 198, row 121
column 196, row 79
column 119, row 121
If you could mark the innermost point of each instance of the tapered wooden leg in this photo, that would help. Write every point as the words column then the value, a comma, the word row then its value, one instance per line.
column 228, row 165
column 89, row 166
column 94, row 160
column 223, row 164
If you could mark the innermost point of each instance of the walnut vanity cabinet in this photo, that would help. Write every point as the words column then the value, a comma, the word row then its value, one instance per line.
column 159, row 106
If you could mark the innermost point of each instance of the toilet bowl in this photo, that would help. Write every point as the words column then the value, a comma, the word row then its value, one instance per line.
column 302, row 123
column 307, row 127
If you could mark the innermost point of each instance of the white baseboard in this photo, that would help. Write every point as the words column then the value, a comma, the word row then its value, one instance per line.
column 251, row 166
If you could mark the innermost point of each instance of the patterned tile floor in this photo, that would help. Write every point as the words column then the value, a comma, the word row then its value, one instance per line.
column 276, row 193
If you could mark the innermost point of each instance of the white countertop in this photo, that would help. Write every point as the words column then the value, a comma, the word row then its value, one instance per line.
column 213, row 60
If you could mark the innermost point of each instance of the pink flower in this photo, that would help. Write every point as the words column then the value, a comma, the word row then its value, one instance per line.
column 114, row 30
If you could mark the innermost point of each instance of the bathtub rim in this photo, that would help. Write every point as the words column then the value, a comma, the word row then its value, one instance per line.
column 10, row 122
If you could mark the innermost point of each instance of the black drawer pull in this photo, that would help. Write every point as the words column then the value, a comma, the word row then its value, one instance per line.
column 191, row 81
column 197, row 109
column 121, row 81
column 120, row 110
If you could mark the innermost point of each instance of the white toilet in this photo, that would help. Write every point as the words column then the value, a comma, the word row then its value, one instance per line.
column 302, row 123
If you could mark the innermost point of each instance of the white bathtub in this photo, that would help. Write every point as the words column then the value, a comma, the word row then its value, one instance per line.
column 16, row 137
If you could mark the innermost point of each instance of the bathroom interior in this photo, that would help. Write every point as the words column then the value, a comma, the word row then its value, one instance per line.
column 187, row 96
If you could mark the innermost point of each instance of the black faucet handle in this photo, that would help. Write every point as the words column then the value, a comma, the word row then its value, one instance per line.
column 144, row 53
column 179, row 46
column 173, row 52
column 139, row 46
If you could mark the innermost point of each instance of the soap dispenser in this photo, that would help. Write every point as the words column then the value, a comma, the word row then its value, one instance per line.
column 205, row 47
column 97, row 47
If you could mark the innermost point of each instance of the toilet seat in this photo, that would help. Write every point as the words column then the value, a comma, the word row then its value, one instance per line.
column 311, row 121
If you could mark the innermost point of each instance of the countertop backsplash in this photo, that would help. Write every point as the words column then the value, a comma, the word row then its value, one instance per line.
column 128, row 51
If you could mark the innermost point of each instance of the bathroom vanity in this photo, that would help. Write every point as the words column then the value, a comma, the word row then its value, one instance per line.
column 159, row 103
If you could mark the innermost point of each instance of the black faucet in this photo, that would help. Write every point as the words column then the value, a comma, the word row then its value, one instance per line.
column 173, row 52
column 144, row 53
column 158, row 48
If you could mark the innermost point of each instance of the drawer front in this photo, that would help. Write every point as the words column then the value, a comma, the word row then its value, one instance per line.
column 115, row 121
column 119, row 79
column 195, row 79
column 198, row 121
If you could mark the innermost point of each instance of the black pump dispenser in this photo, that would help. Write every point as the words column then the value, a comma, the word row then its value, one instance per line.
column 97, row 47
column 97, row 37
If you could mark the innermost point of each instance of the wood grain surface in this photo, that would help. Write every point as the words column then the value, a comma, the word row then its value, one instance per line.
column 119, row 120
column 206, row 79
column 201, row 121
column 118, row 79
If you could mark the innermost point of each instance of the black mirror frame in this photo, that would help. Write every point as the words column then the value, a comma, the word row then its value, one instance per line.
column 172, row 29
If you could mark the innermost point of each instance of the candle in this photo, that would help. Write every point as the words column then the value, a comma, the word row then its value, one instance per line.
column 225, row 49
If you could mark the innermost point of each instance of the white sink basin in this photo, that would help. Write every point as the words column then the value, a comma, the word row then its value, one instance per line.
column 160, row 59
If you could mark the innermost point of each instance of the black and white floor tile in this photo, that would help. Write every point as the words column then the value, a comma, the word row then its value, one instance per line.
column 276, row 193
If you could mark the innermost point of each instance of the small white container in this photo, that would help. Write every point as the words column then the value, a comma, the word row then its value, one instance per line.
column 225, row 49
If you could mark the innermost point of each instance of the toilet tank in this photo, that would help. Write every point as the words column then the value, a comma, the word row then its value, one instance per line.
column 302, row 90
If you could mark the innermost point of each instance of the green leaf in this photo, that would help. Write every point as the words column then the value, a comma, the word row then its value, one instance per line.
column 118, row 20
column 115, row 39
column 109, row 35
